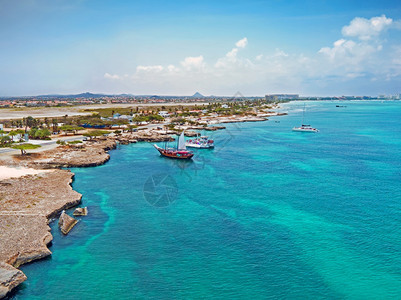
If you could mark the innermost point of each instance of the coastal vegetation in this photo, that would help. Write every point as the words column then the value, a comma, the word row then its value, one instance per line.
column 75, row 142
column 109, row 112
column 228, row 108
column 131, row 128
column 24, row 147
column 5, row 141
column 70, row 129
column 119, row 120
column 95, row 133
column 39, row 134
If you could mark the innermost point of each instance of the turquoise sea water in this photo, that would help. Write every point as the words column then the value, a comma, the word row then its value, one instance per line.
column 269, row 213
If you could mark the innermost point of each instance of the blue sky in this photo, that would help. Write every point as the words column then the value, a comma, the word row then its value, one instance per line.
column 214, row 47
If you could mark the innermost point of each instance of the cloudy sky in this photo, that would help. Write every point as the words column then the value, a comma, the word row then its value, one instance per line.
column 319, row 47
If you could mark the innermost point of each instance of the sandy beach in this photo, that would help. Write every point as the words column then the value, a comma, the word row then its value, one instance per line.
column 9, row 172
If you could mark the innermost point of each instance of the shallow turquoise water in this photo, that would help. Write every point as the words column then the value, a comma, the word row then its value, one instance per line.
column 269, row 213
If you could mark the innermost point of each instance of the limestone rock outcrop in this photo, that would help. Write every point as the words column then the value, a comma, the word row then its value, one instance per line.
column 91, row 153
column 190, row 133
column 80, row 211
column 10, row 277
column 66, row 222
column 28, row 204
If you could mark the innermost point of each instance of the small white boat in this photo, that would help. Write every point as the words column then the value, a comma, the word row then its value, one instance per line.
column 202, row 142
column 305, row 128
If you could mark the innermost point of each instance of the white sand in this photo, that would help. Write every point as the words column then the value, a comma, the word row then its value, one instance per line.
column 9, row 172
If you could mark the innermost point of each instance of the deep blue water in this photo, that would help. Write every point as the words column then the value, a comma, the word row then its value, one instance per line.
column 269, row 213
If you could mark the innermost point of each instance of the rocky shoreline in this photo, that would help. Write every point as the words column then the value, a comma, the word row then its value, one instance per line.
column 29, row 203
column 27, row 206
column 10, row 277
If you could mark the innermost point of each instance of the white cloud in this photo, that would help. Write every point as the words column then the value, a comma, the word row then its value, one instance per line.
column 110, row 76
column 230, row 58
column 355, row 57
column 172, row 69
column 242, row 43
column 193, row 62
column 157, row 68
column 280, row 53
column 340, row 49
column 366, row 29
column 361, row 44
column 232, row 55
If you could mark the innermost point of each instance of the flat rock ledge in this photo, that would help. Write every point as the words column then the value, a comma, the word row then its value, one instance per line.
column 66, row 223
column 10, row 277
column 91, row 154
column 27, row 205
column 80, row 211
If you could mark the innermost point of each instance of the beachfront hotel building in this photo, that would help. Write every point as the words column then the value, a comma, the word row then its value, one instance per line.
column 281, row 97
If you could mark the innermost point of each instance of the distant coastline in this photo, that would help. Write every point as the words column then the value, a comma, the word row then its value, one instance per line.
column 87, row 98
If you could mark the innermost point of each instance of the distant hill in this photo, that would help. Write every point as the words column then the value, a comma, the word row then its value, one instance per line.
column 82, row 95
column 198, row 95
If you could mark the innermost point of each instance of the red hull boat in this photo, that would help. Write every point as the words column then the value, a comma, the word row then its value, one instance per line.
column 180, row 152
column 173, row 153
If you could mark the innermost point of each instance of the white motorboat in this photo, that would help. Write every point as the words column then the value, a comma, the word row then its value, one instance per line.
column 202, row 142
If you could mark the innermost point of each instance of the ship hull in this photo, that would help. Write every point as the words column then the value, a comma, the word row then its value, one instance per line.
column 174, row 153
column 301, row 129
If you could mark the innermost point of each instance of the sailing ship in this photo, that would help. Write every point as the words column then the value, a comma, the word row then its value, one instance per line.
column 180, row 152
column 304, row 127
column 201, row 142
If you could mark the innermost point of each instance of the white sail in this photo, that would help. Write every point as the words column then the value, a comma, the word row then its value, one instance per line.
column 181, row 142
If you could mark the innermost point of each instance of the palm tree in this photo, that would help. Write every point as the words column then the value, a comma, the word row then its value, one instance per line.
column 29, row 122
column 54, row 125
column 47, row 122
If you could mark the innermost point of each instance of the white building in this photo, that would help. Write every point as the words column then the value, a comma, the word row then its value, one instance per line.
column 164, row 114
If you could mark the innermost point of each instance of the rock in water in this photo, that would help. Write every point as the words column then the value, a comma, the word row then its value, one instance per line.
column 10, row 277
column 81, row 211
column 190, row 133
column 66, row 222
